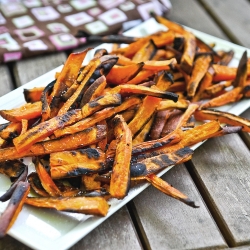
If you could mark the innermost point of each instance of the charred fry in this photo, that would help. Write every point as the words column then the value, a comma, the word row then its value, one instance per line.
column 86, row 205
column 169, row 190
column 14, row 207
column 120, row 177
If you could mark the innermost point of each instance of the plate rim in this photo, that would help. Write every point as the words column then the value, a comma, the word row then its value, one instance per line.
column 73, row 236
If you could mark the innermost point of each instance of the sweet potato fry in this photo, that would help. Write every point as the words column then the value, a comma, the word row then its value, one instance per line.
column 101, row 102
column 226, row 58
column 187, row 114
column 88, row 71
column 122, row 74
column 46, row 180
column 135, row 89
column 172, row 121
column 179, row 86
column 170, row 25
column 45, row 129
column 223, row 73
column 95, row 90
column 76, row 169
column 156, row 163
column 12, row 168
column 201, row 65
column 188, row 55
column 163, row 80
column 97, row 117
column 27, row 111
column 83, row 138
column 189, row 138
column 169, row 104
column 86, row 205
column 142, row 135
column 132, row 48
column 25, row 124
column 120, row 177
column 102, row 144
column 76, row 162
column 246, row 90
column 217, row 88
column 90, row 183
column 158, row 123
column 146, row 52
column 163, row 38
column 205, row 83
column 159, row 65
column 14, row 207
column 33, row 95
column 200, row 133
column 66, row 78
column 228, row 97
column 11, row 130
column 7, row 195
column 169, row 190
column 241, row 74
column 36, row 185
column 79, row 155
column 203, row 47
column 46, row 111
column 100, row 52
column 3, row 143
column 223, row 117
column 143, row 114
column 143, row 75
column 170, row 139
column 153, row 65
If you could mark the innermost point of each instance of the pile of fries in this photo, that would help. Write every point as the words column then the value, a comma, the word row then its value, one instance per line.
column 101, row 128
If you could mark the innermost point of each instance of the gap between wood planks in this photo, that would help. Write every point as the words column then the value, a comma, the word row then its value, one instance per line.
column 11, row 73
column 142, row 237
column 245, row 137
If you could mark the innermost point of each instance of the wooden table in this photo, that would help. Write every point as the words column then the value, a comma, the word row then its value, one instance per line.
column 217, row 178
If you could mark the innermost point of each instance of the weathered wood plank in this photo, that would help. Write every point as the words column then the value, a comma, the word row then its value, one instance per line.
column 169, row 224
column 221, row 170
column 247, row 247
column 234, row 16
column 6, row 84
column 191, row 14
column 29, row 69
column 115, row 233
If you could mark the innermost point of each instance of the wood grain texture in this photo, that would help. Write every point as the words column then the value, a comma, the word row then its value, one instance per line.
column 170, row 224
column 6, row 84
column 191, row 14
column 221, row 170
column 247, row 247
column 234, row 16
column 29, row 69
column 115, row 233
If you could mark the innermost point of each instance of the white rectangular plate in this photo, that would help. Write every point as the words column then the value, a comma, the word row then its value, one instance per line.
column 48, row 229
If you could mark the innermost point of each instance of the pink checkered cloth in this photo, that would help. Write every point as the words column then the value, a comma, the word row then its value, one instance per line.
column 33, row 27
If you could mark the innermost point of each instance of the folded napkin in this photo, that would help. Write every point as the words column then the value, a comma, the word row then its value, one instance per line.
column 34, row 27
